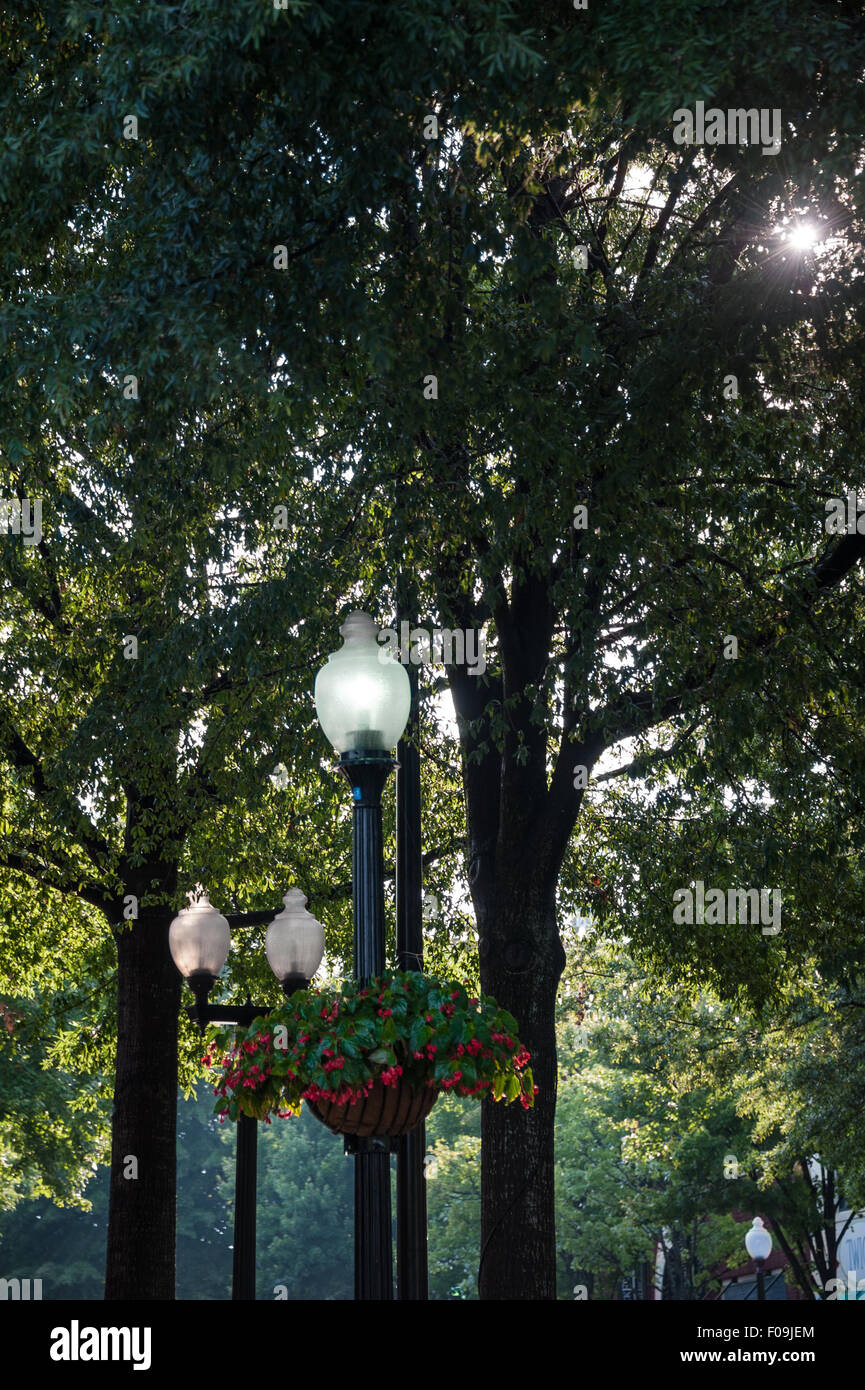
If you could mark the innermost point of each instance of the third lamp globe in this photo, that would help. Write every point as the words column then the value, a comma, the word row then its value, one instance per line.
column 362, row 696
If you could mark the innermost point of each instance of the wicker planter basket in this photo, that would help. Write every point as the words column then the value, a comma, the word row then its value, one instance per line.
column 388, row 1110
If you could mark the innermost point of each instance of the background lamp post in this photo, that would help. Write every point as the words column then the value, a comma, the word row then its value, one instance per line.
column 362, row 699
column 412, row 1274
column 199, row 939
column 758, row 1243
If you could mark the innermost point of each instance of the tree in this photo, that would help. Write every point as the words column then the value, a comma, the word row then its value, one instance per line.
column 780, row 805
column 64, row 1246
column 579, row 395
column 647, row 1143
column 438, row 283
column 452, row 1169
column 51, row 1121
column 306, row 1213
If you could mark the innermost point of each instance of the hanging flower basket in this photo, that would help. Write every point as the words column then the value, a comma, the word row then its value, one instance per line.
column 390, row 1110
column 372, row 1059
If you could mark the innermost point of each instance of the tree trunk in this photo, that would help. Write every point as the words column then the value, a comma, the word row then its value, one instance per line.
column 676, row 1285
column 142, row 1204
column 521, row 964
column 518, row 835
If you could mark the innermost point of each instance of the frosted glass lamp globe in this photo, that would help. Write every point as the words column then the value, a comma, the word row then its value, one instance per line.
column 758, row 1241
column 362, row 695
column 294, row 943
column 199, row 938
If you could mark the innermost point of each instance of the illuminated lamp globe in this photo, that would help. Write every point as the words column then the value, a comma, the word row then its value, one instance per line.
column 362, row 695
column 758, row 1241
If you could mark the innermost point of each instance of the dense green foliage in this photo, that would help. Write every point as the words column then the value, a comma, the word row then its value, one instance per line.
column 52, row 1121
column 219, row 331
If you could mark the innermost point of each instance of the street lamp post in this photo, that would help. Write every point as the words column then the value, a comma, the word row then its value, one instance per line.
column 412, row 1279
column 758, row 1243
column 199, row 939
column 412, row 1274
column 362, row 698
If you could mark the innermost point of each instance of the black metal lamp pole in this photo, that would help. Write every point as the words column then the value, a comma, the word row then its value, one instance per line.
column 199, row 939
column 412, row 1278
column 758, row 1243
column 246, row 1157
column 245, row 1187
column 366, row 773
column 363, row 700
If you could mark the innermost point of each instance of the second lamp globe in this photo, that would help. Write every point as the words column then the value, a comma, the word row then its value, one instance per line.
column 362, row 696
column 294, row 943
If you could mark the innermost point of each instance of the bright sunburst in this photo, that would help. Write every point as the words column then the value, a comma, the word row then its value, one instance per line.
column 803, row 236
